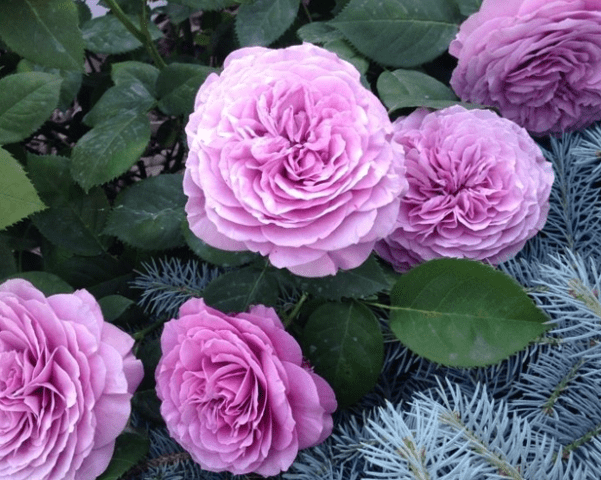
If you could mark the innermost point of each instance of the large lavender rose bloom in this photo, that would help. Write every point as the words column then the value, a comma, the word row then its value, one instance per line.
column 537, row 61
column 290, row 157
column 235, row 391
column 478, row 188
column 66, row 380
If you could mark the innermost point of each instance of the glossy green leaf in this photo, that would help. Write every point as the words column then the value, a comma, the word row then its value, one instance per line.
column 149, row 213
column 344, row 344
column 214, row 255
column 130, row 449
column 26, row 101
column 177, row 86
column 18, row 197
column 262, row 22
column 318, row 32
column 113, row 306
column 236, row 291
column 400, row 34
column 106, row 34
column 69, row 88
column 131, row 99
column 74, row 219
column 410, row 88
column 135, row 73
column 110, row 148
column 47, row 283
column 45, row 32
column 207, row 4
column 467, row 7
column 342, row 48
column 463, row 313
column 363, row 281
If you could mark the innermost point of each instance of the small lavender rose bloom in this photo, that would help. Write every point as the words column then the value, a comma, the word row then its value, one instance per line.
column 478, row 188
column 236, row 393
column 66, row 381
column 537, row 61
column 290, row 156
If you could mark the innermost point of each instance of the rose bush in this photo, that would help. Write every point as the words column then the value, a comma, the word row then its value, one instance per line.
column 537, row 61
column 235, row 392
column 478, row 188
column 66, row 380
column 290, row 157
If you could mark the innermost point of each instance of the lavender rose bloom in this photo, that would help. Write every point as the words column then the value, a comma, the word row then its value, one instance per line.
column 537, row 61
column 66, row 380
column 478, row 188
column 235, row 392
column 290, row 157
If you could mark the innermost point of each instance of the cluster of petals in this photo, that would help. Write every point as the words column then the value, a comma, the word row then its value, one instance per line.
column 290, row 156
column 236, row 393
column 479, row 188
column 537, row 61
column 66, row 381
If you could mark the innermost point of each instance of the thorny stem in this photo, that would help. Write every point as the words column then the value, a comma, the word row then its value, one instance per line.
column 481, row 448
column 409, row 452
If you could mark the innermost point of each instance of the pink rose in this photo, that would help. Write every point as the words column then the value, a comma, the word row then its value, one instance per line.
column 537, row 61
column 235, row 392
column 290, row 157
column 478, row 188
column 66, row 380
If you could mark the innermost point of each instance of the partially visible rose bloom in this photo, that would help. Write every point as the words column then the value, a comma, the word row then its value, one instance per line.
column 478, row 188
column 290, row 156
column 66, row 381
column 537, row 61
column 235, row 392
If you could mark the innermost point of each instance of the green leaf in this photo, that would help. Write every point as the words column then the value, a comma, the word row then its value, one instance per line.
column 341, row 48
column 318, row 32
column 135, row 73
column 214, row 255
column 149, row 213
column 235, row 291
column 75, row 219
column 207, row 4
column 400, row 34
column 130, row 449
column 26, row 101
column 47, row 283
column 365, row 280
column 262, row 22
column 410, row 88
column 119, row 100
column 113, row 306
column 45, row 32
column 463, row 313
column 71, row 81
column 8, row 264
column 467, row 7
column 110, row 148
column 177, row 86
column 18, row 197
column 107, row 34
column 344, row 343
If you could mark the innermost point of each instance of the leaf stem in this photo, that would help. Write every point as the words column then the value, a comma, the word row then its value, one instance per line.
column 294, row 313
column 150, row 46
column 143, row 36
